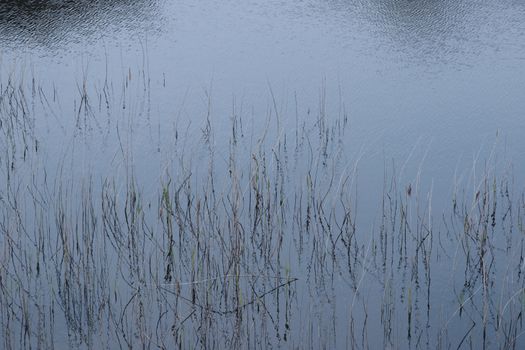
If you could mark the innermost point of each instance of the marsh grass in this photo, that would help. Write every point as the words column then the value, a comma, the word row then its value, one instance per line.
column 245, row 238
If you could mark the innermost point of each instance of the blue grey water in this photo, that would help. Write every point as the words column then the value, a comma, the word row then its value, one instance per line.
column 434, row 86
column 446, row 74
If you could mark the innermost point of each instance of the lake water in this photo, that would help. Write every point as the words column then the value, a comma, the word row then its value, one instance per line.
column 445, row 73
column 278, row 117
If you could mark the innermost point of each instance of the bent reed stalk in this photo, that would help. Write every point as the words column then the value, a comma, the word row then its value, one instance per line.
column 239, row 239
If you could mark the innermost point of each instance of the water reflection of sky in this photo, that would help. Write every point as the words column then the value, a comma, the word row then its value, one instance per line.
column 409, row 70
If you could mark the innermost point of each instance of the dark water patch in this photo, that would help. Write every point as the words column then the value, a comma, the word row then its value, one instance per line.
column 56, row 24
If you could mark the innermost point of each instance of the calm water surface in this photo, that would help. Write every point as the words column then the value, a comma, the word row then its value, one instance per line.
column 429, row 92
column 447, row 72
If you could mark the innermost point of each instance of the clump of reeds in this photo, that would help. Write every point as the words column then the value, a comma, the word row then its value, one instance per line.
column 250, row 238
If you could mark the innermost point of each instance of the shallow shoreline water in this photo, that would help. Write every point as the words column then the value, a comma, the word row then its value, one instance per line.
column 312, row 174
